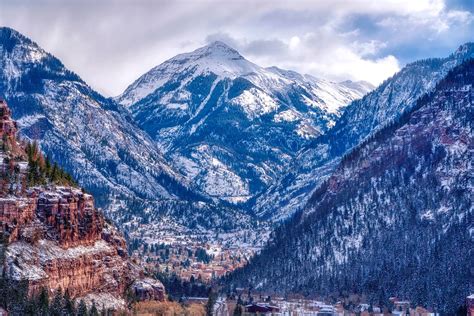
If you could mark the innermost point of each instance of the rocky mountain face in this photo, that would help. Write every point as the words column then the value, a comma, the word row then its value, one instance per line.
column 316, row 161
column 53, row 237
column 92, row 137
column 396, row 216
column 228, row 125
column 96, row 140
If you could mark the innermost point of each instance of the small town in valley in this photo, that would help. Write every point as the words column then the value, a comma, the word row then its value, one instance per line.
column 196, row 261
column 257, row 304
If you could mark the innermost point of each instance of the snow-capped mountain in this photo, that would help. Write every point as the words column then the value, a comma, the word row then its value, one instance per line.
column 394, row 219
column 88, row 135
column 94, row 138
column 361, row 118
column 229, row 125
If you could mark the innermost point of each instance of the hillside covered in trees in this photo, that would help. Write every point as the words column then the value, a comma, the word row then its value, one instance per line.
column 396, row 217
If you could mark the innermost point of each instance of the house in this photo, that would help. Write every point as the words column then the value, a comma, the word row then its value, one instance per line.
column 3, row 312
column 261, row 308
column 326, row 311
column 401, row 306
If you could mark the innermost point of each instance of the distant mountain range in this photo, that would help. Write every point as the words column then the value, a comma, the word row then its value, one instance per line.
column 228, row 125
column 204, row 127
column 90, row 135
column 396, row 216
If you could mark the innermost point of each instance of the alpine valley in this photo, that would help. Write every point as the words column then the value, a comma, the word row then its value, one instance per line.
column 210, row 170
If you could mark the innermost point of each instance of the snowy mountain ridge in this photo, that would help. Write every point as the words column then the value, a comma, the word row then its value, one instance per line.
column 395, row 217
column 43, row 93
column 217, row 58
column 228, row 124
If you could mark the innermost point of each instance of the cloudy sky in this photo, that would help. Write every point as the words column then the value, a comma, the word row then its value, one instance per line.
column 110, row 43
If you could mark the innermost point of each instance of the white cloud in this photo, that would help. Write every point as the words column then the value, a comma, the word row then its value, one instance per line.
column 294, row 42
column 346, row 64
column 112, row 42
column 431, row 14
column 325, row 54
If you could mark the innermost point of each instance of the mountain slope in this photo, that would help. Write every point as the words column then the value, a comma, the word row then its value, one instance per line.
column 95, row 140
column 395, row 218
column 361, row 118
column 89, row 135
column 229, row 125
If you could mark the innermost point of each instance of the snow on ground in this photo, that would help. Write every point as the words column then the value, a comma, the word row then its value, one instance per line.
column 103, row 301
column 286, row 116
column 212, row 175
column 306, row 130
column 24, row 260
column 254, row 102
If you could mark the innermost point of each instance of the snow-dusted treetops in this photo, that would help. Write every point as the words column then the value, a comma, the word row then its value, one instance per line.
column 396, row 216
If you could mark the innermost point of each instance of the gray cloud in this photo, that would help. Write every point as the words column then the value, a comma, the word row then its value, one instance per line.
column 112, row 42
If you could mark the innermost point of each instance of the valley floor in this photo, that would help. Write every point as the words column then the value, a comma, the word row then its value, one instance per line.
column 199, row 254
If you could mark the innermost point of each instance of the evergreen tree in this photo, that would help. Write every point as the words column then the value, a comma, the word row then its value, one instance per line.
column 69, row 306
column 43, row 302
column 57, row 305
column 93, row 311
column 54, row 176
column 82, row 308
column 210, row 303
column 238, row 311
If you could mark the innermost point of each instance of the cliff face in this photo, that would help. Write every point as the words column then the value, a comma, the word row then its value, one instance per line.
column 55, row 238
column 61, row 241
column 70, row 215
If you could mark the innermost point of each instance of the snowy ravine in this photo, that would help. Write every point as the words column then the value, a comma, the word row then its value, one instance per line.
column 316, row 161
column 228, row 125
column 396, row 218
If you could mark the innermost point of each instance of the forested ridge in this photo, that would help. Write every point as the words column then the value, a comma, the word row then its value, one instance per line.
column 395, row 219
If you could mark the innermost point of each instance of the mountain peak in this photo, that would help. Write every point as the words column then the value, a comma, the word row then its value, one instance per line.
column 216, row 57
column 10, row 37
column 218, row 49
column 466, row 50
column 219, row 45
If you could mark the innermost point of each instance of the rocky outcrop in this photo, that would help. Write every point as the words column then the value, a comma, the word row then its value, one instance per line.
column 70, row 216
column 66, row 214
column 148, row 289
column 15, row 213
column 58, row 240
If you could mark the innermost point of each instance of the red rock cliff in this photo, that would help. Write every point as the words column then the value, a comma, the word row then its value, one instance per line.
column 59, row 240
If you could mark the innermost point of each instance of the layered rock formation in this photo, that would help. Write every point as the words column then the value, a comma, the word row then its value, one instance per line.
column 55, row 238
